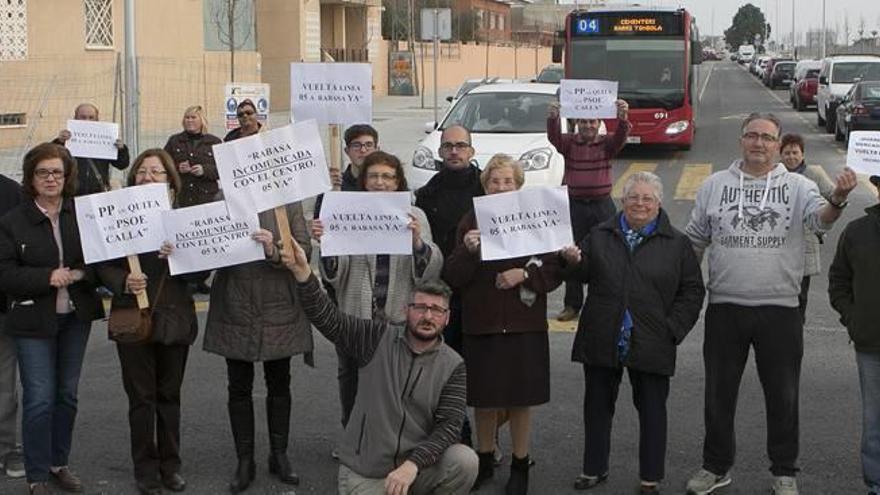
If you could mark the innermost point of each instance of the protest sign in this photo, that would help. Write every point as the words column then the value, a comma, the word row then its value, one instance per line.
column 525, row 222
column 331, row 93
column 366, row 223
column 236, row 93
column 122, row 222
column 587, row 99
column 863, row 152
column 90, row 139
column 205, row 237
column 272, row 168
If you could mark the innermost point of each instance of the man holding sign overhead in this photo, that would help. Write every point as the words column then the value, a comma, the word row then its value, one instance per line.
column 588, row 172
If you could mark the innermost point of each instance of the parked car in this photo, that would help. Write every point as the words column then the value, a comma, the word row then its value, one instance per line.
column 781, row 74
column 761, row 65
column 836, row 77
column 503, row 118
column 859, row 110
column 805, row 69
column 553, row 73
column 770, row 65
column 473, row 83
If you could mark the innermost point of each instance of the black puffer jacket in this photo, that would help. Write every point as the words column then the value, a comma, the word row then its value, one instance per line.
column 660, row 283
column 854, row 280
column 445, row 199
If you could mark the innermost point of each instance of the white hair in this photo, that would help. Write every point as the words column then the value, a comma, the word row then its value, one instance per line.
column 649, row 178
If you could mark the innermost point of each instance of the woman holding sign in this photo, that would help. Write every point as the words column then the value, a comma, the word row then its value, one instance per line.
column 52, row 304
column 192, row 154
column 152, row 371
column 504, row 321
column 645, row 294
column 378, row 286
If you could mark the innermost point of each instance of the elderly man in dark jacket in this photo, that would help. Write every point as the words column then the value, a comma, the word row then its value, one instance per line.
column 645, row 294
column 853, row 285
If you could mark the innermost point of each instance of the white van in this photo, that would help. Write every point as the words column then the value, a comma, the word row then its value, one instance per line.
column 746, row 52
column 836, row 77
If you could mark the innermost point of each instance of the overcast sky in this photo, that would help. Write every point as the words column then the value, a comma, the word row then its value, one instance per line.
column 808, row 13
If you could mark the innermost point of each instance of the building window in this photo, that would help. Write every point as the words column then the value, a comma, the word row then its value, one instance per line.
column 13, row 120
column 99, row 23
column 501, row 22
column 13, row 30
column 492, row 18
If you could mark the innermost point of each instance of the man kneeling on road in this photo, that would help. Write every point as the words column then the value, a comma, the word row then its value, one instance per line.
column 410, row 405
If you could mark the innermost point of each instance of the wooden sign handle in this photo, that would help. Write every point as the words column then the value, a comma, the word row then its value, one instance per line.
column 134, row 266
column 283, row 223
column 335, row 155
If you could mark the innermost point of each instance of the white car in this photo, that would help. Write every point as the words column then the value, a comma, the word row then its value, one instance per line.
column 502, row 118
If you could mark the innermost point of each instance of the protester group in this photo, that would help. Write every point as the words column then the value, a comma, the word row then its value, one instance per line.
column 422, row 336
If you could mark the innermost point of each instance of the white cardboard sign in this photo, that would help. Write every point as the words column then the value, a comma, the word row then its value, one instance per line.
column 366, row 223
column 205, row 237
column 863, row 152
column 123, row 222
column 272, row 168
column 533, row 220
column 331, row 93
column 90, row 139
column 587, row 99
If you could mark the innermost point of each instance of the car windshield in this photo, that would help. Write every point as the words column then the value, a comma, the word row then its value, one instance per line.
column 848, row 72
column 812, row 74
column 550, row 75
column 871, row 92
column 502, row 112
column 782, row 67
column 650, row 71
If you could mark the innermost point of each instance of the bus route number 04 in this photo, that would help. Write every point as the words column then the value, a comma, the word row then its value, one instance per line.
column 588, row 25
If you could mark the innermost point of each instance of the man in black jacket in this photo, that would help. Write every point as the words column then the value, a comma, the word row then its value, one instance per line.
column 10, row 455
column 853, row 285
column 93, row 173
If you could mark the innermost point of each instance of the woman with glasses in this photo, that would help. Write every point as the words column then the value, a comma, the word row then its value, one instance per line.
column 645, row 294
column 192, row 153
column 152, row 372
column 52, row 304
column 248, row 124
column 377, row 286
column 504, row 322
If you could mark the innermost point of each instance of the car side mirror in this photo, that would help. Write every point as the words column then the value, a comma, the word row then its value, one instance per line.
column 823, row 80
column 429, row 127
column 696, row 53
column 449, row 99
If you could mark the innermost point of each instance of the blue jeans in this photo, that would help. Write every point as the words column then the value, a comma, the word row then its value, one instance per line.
column 869, row 383
column 49, row 370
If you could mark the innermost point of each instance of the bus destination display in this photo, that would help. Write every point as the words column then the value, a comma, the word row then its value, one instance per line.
column 628, row 24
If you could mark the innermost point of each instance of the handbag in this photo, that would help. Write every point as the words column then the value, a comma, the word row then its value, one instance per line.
column 133, row 325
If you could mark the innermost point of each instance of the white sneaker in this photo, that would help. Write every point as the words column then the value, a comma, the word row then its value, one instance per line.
column 705, row 482
column 784, row 485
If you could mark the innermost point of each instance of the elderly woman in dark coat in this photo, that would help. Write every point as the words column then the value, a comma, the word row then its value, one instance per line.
column 645, row 294
column 504, row 322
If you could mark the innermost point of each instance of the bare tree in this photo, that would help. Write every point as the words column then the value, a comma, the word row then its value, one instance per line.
column 846, row 28
column 861, row 30
column 226, row 14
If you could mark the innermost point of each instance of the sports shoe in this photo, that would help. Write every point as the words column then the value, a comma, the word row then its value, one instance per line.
column 568, row 314
column 13, row 464
column 784, row 485
column 705, row 482
column 586, row 482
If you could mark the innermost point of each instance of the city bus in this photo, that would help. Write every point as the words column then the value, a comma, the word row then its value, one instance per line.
column 653, row 53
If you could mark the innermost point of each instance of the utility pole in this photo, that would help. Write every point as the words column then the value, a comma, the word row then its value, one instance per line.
column 793, row 41
column 824, row 33
column 132, row 92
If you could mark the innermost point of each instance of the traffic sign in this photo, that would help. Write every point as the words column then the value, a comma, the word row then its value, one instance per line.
column 443, row 27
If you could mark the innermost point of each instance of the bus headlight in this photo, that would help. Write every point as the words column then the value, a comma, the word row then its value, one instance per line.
column 423, row 158
column 676, row 128
column 536, row 159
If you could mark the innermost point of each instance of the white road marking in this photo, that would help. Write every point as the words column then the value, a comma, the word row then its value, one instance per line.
column 706, row 83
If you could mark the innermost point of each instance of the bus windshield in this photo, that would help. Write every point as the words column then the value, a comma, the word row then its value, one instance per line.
column 650, row 70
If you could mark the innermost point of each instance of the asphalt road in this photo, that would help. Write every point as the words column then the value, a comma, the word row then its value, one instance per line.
column 830, row 407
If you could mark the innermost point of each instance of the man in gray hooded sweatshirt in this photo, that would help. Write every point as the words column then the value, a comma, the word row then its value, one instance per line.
column 754, row 218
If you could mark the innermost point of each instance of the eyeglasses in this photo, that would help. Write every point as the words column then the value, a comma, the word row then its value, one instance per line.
column 385, row 177
column 368, row 145
column 244, row 113
column 424, row 308
column 635, row 199
column 764, row 137
column 153, row 173
column 44, row 173
column 459, row 146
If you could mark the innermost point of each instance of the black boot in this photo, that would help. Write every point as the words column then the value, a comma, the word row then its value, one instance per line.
column 241, row 416
column 278, row 417
column 518, row 484
column 486, row 469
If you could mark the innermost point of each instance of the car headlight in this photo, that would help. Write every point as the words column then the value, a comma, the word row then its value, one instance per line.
column 536, row 159
column 423, row 158
column 677, row 127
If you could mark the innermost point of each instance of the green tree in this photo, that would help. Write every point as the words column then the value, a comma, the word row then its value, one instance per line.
column 748, row 21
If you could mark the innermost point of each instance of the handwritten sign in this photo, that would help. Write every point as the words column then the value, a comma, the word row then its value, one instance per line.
column 366, row 223
column 863, row 152
column 522, row 223
column 272, row 168
column 205, row 237
column 90, row 139
column 331, row 93
column 236, row 93
column 587, row 99
column 122, row 222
